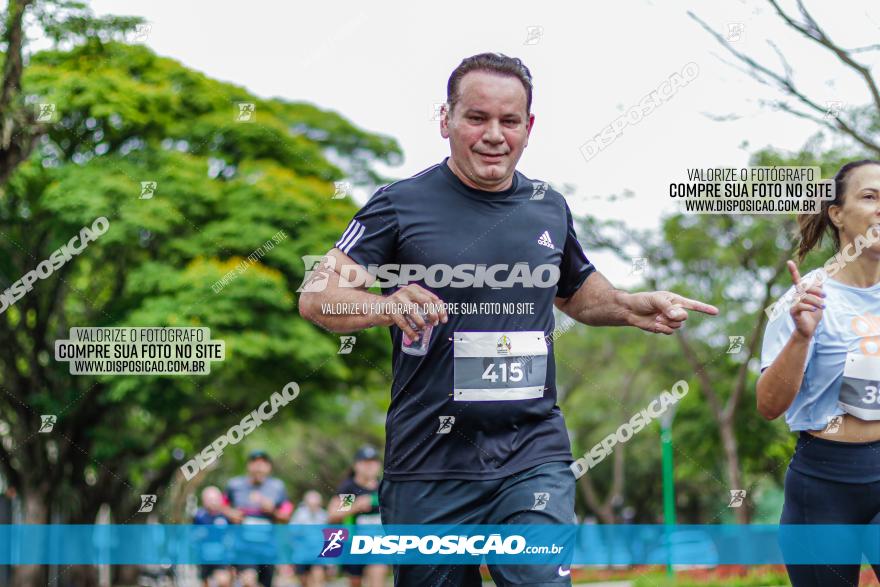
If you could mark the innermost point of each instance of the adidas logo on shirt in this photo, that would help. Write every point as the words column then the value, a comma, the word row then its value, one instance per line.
column 544, row 240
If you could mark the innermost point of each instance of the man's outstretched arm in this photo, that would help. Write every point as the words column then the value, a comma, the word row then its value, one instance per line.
column 598, row 303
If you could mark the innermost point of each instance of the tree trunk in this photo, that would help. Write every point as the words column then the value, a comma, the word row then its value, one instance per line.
column 79, row 576
column 734, row 476
column 127, row 574
column 16, row 134
column 36, row 511
column 602, row 509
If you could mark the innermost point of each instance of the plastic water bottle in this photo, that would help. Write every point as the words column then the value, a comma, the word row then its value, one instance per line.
column 418, row 347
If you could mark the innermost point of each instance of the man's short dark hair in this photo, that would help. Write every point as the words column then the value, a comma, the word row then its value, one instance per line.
column 259, row 454
column 494, row 63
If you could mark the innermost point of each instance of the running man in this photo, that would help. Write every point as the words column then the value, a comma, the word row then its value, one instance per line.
column 820, row 366
column 257, row 499
column 473, row 430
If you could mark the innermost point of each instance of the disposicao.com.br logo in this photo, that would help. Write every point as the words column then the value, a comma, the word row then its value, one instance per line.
column 448, row 544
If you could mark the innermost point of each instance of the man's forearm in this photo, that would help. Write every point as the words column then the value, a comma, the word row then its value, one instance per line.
column 598, row 303
column 611, row 311
column 343, row 310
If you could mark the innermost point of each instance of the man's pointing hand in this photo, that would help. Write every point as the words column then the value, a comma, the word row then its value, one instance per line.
column 663, row 311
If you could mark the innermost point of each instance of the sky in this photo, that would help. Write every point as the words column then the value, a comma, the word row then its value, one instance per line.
column 383, row 66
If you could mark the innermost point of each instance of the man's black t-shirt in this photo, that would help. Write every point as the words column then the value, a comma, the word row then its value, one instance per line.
column 481, row 403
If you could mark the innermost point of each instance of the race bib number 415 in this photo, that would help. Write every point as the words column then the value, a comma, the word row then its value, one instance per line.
column 499, row 366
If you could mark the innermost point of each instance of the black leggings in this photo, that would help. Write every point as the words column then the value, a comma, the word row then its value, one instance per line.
column 814, row 500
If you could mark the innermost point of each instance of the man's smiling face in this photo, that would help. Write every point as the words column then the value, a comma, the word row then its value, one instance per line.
column 487, row 129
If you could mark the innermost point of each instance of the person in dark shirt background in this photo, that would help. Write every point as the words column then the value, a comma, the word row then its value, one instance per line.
column 357, row 503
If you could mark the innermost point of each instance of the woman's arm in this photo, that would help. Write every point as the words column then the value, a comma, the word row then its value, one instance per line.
column 780, row 382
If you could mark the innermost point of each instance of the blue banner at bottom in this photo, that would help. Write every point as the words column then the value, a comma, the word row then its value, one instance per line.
column 447, row 544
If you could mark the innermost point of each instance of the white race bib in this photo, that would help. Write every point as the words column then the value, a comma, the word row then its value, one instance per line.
column 859, row 389
column 499, row 366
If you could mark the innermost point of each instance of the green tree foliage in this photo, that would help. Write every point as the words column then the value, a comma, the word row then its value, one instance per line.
column 223, row 188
